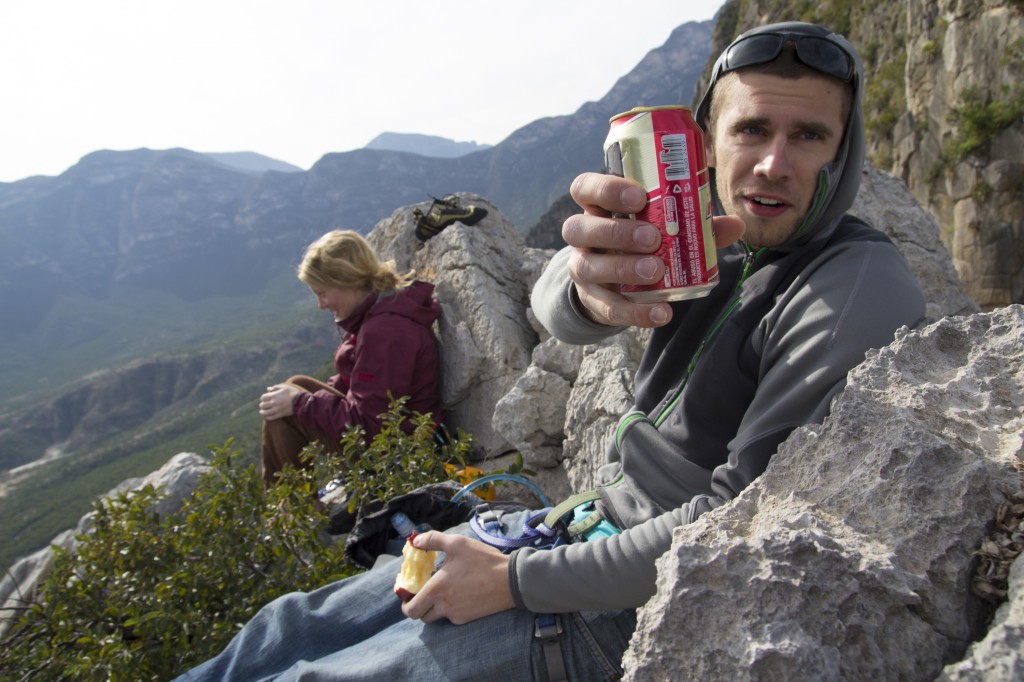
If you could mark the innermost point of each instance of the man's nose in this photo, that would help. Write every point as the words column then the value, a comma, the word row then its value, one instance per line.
column 775, row 163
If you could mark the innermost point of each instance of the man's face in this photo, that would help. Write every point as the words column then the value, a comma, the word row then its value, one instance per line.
column 768, row 141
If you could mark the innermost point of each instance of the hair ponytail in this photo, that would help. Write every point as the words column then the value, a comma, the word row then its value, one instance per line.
column 344, row 259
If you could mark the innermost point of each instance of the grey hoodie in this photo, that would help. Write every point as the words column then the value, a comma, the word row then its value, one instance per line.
column 727, row 380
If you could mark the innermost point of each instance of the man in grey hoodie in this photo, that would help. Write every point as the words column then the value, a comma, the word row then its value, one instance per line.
column 723, row 381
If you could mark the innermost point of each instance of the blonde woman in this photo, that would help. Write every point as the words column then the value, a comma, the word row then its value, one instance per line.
column 387, row 344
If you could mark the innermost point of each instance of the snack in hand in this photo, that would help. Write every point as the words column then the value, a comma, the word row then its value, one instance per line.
column 417, row 567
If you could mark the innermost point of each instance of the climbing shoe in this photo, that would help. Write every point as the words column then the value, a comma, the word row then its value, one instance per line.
column 444, row 212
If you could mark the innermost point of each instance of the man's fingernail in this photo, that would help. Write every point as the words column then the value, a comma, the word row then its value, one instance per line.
column 632, row 196
column 645, row 235
column 646, row 267
column 659, row 315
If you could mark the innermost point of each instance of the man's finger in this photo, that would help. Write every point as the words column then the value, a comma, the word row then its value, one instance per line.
column 433, row 540
column 601, row 194
column 586, row 267
column 728, row 229
column 612, row 308
column 610, row 234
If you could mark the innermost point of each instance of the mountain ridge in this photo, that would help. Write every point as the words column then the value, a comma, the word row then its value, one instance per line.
column 122, row 228
column 424, row 145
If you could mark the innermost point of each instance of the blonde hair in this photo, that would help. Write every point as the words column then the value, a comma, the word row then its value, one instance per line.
column 343, row 259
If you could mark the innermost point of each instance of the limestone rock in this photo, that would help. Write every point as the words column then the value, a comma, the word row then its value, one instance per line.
column 1000, row 655
column 849, row 558
column 485, row 337
column 962, row 57
column 602, row 393
column 531, row 422
column 177, row 479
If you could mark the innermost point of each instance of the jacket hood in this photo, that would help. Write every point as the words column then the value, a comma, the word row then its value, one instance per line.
column 415, row 302
column 839, row 181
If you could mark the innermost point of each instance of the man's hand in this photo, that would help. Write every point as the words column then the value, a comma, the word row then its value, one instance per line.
column 276, row 403
column 609, row 251
column 471, row 583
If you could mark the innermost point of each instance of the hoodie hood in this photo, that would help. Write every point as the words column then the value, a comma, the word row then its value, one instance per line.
column 839, row 181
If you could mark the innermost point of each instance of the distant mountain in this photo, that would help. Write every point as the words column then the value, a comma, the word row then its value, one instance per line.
column 252, row 162
column 424, row 145
column 130, row 252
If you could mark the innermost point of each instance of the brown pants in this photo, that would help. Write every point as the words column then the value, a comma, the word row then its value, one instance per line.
column 284, row 439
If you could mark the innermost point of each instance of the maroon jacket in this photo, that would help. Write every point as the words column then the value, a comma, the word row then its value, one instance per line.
column 388, row 345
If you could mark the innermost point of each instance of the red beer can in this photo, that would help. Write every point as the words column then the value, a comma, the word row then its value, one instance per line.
column 662, row 148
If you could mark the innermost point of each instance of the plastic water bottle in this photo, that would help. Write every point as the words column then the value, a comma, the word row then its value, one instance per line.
column 403, row 524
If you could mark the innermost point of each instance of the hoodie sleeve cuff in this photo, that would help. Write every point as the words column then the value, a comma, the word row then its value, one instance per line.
column 513, row 581
column 300, row 403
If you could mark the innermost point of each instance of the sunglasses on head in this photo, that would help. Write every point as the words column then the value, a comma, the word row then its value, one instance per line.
column 821, row 54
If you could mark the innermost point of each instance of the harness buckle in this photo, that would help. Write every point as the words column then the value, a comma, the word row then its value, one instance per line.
column 547, row 627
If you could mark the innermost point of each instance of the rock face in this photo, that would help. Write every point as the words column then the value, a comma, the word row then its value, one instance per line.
column 113, row 401
column 958, row 142
column 482, row 282
column 850, row 557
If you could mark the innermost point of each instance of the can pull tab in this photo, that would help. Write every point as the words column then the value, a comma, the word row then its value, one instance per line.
column 613, row 166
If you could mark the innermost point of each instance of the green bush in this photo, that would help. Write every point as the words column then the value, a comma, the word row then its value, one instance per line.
column 979, row 117
column 403, row 456
column 394, row 461
column 147, row 596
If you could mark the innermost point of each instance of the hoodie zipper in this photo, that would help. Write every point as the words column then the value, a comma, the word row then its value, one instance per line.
column 749, row 261
column 748, row 265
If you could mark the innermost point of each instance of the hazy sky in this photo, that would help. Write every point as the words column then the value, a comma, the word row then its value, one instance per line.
column 295, row 79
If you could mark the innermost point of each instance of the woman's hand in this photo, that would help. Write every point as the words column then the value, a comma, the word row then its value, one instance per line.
column 276, row 403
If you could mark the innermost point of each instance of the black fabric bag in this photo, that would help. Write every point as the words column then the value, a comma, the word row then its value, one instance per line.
column 432, row 504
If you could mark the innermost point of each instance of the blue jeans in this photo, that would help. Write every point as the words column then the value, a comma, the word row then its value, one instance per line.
column 354, row 629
